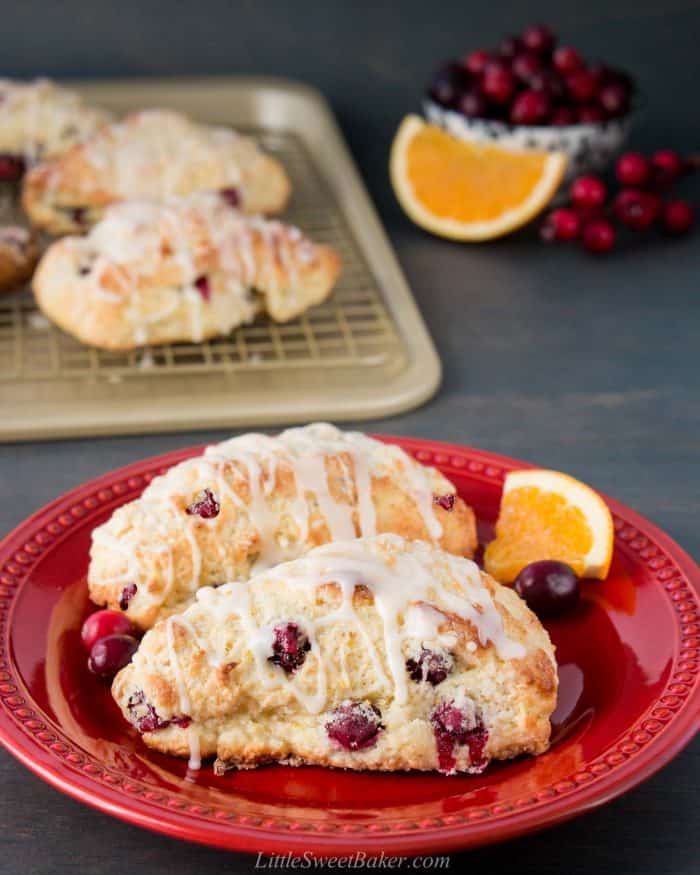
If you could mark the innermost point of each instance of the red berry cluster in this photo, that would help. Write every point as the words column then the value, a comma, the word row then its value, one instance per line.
column 638, row 205
column 528, row 80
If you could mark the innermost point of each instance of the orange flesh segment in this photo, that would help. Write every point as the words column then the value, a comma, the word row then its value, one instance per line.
column 535, row 525
column 462, row 181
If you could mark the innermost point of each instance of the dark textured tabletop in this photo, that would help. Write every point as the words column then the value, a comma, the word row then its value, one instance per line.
column 549, row 355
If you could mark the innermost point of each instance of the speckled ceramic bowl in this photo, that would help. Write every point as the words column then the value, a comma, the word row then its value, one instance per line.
column 590, row 147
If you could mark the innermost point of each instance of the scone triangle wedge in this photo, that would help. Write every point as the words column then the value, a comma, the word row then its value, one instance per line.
column 378, row 653
column 253, row 501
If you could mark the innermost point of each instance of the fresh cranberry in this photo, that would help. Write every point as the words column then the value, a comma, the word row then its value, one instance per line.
column 289, row 647
column 110, row 654
column 477, row 61
column 632, row 168
column 562, row 116
column 678, row 217
column 205, row 506
column 498, row 82
column 637, row 209
column 529, row 108
column 549, row 588
column 145, row 717
column 588, row 191
column 582, row 85
column 232, row 196
column 509, row 47
column 561, row 224
column 102, row 624
column 11, row 168
column 526, row 65
column 667, row 166
column 472, row 104
column 538, row 38
column 355, row 725
column 591, row 114
column 548, row 83
column 203, row 286
column 453, row 726
column 566, row 59
column 599, row 236
column 127, row 595
column 614, row 98
column 446, row 502
column 427, row 665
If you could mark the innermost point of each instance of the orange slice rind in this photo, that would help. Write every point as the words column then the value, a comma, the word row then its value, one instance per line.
column 469, row 190
column 549, row 515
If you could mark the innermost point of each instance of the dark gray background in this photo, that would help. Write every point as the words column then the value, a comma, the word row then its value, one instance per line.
column 550, row 355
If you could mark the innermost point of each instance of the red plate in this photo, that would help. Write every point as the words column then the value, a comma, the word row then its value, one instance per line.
column 629, row 671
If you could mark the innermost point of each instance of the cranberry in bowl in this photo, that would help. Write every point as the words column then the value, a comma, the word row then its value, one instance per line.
column 533, row 93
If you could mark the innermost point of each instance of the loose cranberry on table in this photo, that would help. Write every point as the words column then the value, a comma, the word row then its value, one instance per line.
column 588, row 191
column 637, row 210
column 549, row 588
column 632, row 168
column 561, row 224
column 598, row 236
column 102, row 624
column 667, row 165
column 109, row 655
column 678, row 217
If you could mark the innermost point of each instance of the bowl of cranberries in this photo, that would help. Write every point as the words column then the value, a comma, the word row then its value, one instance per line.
column 533, row 93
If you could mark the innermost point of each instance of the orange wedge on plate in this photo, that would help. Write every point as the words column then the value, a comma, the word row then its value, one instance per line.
column 467, row 190
column 548, row 515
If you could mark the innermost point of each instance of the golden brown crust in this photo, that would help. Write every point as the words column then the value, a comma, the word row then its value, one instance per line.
column 154, row 543
column 245, row 719
column 187, row 269
column 151, row 155
column 19, row 254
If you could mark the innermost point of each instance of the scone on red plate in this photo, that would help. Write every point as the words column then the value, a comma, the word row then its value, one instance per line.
column 40, row 120
column 254, row 501
column 184, row 269
column 151, row 155
column 379, row 653
column 19, row 254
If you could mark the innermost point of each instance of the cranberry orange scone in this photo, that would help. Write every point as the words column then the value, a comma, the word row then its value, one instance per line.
column 378, row 653
column 40, row 120
column 185, row 269
column 19, row 254
column 151, row 155
column 253, row 501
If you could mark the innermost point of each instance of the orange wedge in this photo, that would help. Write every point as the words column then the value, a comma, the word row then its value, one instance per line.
column 548, row 515
column 469, row 191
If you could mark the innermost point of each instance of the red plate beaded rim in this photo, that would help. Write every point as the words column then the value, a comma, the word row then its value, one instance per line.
column 629, row 666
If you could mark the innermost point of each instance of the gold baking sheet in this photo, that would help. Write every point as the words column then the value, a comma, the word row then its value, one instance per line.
column 363, row 353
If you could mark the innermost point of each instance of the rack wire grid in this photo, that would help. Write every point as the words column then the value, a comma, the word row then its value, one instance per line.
column 353, row 328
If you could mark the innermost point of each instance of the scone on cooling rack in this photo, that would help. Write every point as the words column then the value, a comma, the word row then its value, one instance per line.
column 254, row 501
column 40, row 120
column 379, row 653
column 184, row 269
column 151, row 155
column 19, row 254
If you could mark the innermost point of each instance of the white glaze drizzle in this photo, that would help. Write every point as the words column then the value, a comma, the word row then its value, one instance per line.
column 256, row 459
column 143, row 241
column 413, row 586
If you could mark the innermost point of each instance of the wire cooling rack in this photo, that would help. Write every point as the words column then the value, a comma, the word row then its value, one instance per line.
column 262, row 373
